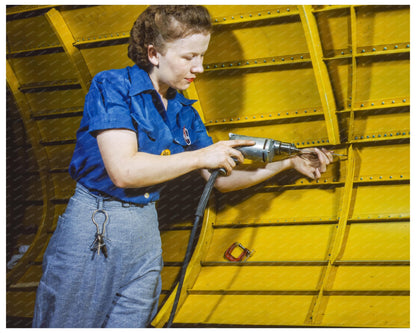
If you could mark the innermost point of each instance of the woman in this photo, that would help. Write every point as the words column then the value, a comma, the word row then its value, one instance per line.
column 102, row 265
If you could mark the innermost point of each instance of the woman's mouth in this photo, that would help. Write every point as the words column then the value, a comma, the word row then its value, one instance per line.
column 190, row 80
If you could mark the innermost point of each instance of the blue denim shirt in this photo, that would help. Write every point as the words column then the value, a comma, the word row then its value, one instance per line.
column 125, row 98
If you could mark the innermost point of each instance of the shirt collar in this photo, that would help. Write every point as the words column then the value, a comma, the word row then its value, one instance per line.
column 140, row 82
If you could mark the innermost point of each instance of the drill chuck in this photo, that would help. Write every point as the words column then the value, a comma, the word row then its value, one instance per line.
column 264, row 150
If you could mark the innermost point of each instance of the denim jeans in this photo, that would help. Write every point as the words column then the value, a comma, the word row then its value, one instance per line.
column 81, row 288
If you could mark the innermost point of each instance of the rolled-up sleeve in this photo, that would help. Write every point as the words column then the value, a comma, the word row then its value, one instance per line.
column 107, row 103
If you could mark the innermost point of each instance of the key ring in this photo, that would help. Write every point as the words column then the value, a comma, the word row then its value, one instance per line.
column 99, row 243
column 96, row 224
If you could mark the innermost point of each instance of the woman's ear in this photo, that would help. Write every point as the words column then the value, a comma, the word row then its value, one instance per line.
column 152, row 55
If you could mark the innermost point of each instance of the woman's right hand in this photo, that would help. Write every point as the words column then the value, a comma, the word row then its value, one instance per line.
column 222, row 155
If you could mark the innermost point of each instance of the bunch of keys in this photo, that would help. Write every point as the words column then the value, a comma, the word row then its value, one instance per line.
column 98, row 244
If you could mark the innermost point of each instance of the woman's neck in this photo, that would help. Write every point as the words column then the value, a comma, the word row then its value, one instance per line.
column 161, row 89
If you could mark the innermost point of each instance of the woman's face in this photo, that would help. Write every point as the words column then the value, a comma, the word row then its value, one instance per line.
column 182, row 60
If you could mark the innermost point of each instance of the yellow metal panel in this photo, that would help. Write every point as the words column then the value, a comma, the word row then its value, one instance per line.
column 33, row 187
column 371, row 311
column 241, row 93
column 30, row 34
column 46, row 68
column 340, row 72
column 382, row 201
column 245, row 310
column 20, row 303
column 60, row 156
column 97, row 21
column 382, row 79
column 370, row 126
column 278, row 243
column 55, row 100
column 334, row 28
column 169, row 276
column 378, row 25
column 378, row 241
column 33, row 273
column 263, row 278
column 277, row 207
column 174, row 244
column 263, row 39
column 191, row 93
column 385, row 161
column 372, row 278
column 30, row 214
column 64, row 185
column 58, row 129
column 114, row 56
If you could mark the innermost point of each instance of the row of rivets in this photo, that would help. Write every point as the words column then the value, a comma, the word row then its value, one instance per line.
column 252, row 15
column 374, row 49
column 379, row 135
column 404, row 100
column 252, row 62
column 381, row 177
column 316, row 219
column 372, row 178
column 261, row 116
column 378, row 216
column 385, row 48
column 312, row 142
column 317, row 181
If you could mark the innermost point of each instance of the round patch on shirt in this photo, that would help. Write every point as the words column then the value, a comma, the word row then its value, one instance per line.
column 165, row 152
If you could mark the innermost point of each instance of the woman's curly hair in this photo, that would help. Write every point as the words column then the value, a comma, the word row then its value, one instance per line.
column 160, row 24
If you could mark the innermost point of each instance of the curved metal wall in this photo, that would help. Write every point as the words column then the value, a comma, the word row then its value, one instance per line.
column 333, row 252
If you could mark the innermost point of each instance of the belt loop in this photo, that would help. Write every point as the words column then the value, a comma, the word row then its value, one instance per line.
column 100, row 202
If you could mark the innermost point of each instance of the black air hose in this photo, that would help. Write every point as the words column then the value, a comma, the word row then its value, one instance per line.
column 198, row 216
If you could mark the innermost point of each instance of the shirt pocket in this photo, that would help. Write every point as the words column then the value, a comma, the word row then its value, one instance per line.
column 153, row 138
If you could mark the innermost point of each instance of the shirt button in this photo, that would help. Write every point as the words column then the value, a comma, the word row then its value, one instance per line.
column 147, row 195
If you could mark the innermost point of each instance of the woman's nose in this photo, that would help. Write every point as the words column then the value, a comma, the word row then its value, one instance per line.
column 197, row 66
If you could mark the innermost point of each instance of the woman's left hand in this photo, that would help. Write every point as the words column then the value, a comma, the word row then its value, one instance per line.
column 312, row 162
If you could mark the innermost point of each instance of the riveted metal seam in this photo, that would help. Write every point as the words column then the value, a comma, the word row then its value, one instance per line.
column 321, row 73
column 353, row 85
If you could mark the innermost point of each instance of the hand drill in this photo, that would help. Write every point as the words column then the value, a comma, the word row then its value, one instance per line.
column 264, row 150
